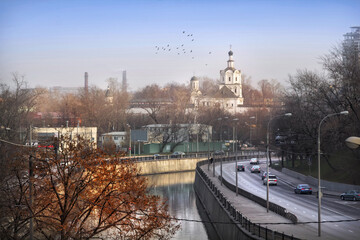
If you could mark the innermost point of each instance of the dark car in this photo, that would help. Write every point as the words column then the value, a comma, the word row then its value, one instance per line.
column 303, row 188
column 219, row 152
column 177, row 154
column 263, row 175
column 351, row 195
column 241, row 167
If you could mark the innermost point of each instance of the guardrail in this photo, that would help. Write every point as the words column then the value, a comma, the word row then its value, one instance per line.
column 228, row 155
column 253, row 228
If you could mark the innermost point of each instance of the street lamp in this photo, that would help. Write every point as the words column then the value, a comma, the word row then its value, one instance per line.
column 219, row 119
column 236, row 170
column 129, row 139
column 319, row 187
column 353, row 142
column 268, row 156
column 253, row 117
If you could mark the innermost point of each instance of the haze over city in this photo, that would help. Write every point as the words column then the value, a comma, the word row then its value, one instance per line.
column 52, row 43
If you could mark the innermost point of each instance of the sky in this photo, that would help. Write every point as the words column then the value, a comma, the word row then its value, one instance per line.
column 53, row 43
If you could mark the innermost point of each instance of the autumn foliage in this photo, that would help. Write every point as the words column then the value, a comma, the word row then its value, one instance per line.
column 80, row 192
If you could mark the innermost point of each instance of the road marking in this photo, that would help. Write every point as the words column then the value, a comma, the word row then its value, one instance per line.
column 336, row 225
column 350, row 231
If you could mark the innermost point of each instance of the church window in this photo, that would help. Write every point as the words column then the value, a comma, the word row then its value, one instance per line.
column 235, row 90
column 227, row 104
column 236, row 79
column 232, row 104
column 203, row 103
column 229, row 79
column 115, row 138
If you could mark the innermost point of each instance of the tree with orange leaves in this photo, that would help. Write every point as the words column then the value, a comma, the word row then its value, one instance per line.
column 82, row 193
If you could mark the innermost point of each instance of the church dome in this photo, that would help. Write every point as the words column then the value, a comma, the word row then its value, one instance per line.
column 230, row 53
column 194, row 78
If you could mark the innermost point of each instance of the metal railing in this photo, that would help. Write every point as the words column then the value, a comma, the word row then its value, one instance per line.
column 228, row 155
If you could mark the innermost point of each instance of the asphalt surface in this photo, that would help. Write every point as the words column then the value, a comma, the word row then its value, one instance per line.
column 338, row 217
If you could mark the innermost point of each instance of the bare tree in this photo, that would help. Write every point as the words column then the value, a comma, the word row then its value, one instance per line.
column 82, row 193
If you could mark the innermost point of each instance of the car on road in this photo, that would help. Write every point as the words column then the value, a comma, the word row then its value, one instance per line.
column 240, row 167
column 272, row 180
column 254, row 161
column 351, row 195
column 219, row 152
column 177, row 154
column 303, row 188
column 255, row 169
column 263, row 175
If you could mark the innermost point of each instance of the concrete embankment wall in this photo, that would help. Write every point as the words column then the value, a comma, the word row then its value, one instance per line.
column 328, row 186
column 167, row 165
column 218, row 213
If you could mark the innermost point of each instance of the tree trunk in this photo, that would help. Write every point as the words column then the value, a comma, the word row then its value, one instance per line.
column 328, row 162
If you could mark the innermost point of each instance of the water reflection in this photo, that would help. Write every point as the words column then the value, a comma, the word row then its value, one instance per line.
column 178, row 189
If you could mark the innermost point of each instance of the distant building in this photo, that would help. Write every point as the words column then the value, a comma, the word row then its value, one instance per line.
column 119, row 138
column 159, row 133
column 43, row 137
column 228, row 96
column 65, row 90
column 353, row 38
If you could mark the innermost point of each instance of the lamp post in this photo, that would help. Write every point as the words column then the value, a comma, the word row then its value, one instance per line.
column 219, row 119
column 319, row 186
column 268, row 156
column 30, row 188
column 129, row 139
column 236, row 170
column 253, row 117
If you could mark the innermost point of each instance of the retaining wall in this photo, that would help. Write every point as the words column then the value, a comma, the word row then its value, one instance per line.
column 168, row 165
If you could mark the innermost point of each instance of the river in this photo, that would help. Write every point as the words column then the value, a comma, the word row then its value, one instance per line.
column 178, row 189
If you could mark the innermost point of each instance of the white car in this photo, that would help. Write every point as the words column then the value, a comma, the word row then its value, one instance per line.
column 254, row 161
column 272, row 180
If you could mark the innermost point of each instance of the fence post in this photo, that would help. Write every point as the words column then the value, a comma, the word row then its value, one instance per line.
column 266, row 233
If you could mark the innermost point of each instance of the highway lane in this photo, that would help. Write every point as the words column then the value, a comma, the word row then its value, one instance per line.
column 302, row 205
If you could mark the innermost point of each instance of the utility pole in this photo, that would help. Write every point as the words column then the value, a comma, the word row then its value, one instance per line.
column 30, row 189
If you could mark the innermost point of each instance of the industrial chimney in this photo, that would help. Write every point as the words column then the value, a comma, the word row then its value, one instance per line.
column 86, row 82
column 124, row 82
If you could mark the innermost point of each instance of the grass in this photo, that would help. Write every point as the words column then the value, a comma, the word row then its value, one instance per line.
column 346, row 164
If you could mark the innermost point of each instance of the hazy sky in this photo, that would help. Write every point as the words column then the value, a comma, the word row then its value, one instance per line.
column 54, row 42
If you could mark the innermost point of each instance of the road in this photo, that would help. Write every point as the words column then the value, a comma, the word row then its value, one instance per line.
column 304, row 206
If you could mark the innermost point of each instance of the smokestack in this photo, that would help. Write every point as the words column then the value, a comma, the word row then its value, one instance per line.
column 124, row 81
column 86, row 82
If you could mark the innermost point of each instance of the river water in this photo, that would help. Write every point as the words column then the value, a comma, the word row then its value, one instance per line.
column 178, row 189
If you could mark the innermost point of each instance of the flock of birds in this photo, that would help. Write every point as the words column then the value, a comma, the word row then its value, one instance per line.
column 180, row 49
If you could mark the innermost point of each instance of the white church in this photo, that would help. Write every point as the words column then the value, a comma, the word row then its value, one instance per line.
column 228, row 96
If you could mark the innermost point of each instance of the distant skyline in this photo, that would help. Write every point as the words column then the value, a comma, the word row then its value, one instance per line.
column 53, row 43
